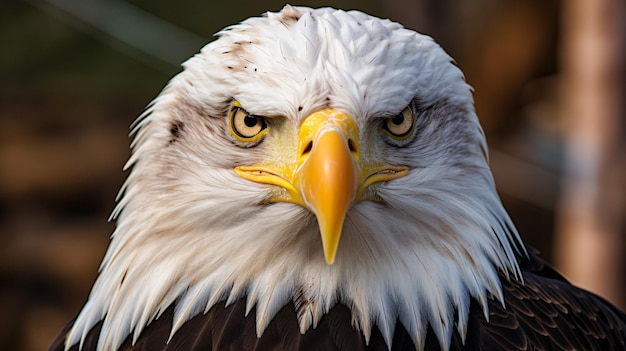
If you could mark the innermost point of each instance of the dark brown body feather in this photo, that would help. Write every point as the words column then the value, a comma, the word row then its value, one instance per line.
column 544, row 313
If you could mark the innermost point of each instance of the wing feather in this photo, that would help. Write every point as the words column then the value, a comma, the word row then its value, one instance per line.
column 551, row 314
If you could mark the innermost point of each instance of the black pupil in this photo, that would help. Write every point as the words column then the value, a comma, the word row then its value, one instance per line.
column 250, row 120
column 398, row 119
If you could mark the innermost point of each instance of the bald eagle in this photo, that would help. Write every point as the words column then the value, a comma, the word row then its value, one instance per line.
column 316, row 179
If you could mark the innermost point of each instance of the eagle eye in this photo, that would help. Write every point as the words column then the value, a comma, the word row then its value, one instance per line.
column 244, row 126
column 400, row 126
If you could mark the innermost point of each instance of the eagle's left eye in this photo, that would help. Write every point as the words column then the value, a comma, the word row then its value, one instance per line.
column 401, row 125
column 245, row 126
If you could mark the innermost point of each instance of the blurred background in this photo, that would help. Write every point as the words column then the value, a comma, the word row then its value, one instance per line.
column 549, row 84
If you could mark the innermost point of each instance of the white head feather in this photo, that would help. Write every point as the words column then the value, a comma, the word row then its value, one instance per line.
column 191, row 231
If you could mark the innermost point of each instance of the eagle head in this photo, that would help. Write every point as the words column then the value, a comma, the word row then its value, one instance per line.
column 315, row 156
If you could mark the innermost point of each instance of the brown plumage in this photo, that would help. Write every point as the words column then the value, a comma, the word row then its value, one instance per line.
column 544, row 313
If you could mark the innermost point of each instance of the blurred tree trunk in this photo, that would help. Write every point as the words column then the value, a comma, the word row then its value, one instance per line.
column 590, row 244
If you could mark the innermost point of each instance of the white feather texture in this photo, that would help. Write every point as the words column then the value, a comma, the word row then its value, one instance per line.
column 190, row 231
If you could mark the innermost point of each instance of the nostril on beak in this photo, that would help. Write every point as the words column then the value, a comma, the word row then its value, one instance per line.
column 352, row 146
column 307, row 149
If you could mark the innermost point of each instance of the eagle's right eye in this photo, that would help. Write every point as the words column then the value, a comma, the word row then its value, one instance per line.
column 244, row 126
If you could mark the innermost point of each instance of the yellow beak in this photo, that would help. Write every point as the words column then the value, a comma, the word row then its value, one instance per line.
column 329, row 174
column 327, row 177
